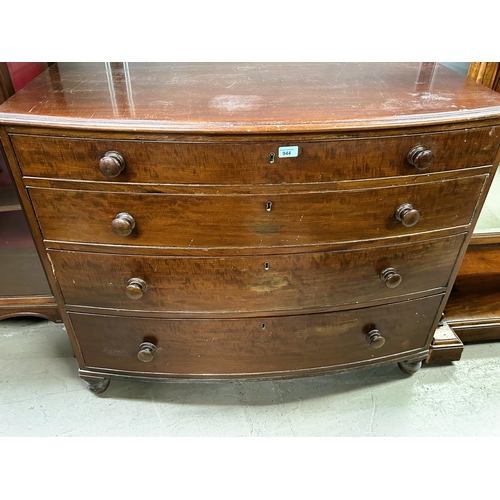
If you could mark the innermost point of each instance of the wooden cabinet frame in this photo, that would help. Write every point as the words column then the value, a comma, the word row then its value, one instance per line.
column 472, row 313
column 36, row 304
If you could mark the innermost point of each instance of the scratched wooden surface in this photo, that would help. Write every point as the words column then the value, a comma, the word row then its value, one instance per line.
column 264, row 283
column 205, row 348
column 214, row 221
column 248, row 97
column 253, row 266
column 247, row 162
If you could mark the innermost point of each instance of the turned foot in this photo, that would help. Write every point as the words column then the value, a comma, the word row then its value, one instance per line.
column 410, row 367
column 96, row 385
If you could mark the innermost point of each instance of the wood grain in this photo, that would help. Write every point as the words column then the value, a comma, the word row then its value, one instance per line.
column 486, row 73
column 242, row 221
column 32, row 306
column 240, row 263
column 473, row 309
column 309, row 281
column 258, row 346
column 204, row 162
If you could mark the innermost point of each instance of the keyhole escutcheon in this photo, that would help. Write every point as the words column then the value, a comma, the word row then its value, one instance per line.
column 269, row 206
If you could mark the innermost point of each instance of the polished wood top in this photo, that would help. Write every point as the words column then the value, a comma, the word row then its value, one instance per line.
column 248, row 97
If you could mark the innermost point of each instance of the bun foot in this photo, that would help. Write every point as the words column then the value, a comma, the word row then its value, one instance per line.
column 409, row 367
column 97, row 385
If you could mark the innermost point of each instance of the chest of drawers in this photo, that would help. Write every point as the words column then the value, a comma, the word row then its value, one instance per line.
column 216, row 221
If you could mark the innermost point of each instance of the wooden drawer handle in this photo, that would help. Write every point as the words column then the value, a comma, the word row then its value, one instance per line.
column 146, row 352
column 375, row 339
column 112, row 164
column 123, row 224
column 390, row 277
column 407, row 215
column 420, row 157
column 135, row 288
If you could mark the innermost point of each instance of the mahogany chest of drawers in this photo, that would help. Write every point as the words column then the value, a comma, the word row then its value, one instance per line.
column 215, row 221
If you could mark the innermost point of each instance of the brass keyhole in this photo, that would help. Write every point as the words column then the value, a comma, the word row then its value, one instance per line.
column 271, row 157
column 266, row 266
column 269, row 206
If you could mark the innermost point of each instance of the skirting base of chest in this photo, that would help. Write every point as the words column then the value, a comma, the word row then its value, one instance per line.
column 98, row 381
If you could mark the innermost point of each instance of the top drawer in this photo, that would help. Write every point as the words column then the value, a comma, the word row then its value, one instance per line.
column 252, row 162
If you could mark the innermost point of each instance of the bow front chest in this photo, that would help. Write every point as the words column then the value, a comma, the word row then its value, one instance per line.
column 215, row 221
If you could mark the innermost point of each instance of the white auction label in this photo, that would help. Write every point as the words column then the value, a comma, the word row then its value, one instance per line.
column 288, row 151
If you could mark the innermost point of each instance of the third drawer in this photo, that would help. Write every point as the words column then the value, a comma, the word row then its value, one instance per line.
column 244, row 284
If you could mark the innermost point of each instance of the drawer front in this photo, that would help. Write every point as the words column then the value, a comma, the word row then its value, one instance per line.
column 252, row 284
column 230, row 221
column 254, row 346
column 249, row 162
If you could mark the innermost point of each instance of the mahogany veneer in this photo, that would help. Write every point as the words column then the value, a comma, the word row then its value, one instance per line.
column 213, row 221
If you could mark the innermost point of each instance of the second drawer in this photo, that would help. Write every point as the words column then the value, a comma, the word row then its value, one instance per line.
column 217, row 221
column 254, row 283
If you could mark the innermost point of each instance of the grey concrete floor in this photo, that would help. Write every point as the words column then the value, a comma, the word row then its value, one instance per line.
column 42, row 395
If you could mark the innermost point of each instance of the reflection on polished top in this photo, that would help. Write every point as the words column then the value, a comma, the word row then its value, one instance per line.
column 248, row 97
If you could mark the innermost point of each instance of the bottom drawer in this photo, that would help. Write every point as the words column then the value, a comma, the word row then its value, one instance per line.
column 215, row 348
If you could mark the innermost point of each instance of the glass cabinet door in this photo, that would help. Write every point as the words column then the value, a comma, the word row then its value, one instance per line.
column 24, row 289
column 22, row 272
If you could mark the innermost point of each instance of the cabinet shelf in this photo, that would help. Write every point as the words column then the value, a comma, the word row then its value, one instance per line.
column 9, row 201
column 473, row 309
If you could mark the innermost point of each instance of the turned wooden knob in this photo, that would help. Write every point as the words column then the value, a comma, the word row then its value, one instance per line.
column 112, row 164
column 146, row 352
column 135, row 288
column 375, row 339
column 407, row 215
column 123, row 224
column 390, row 277
column 420, row 157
